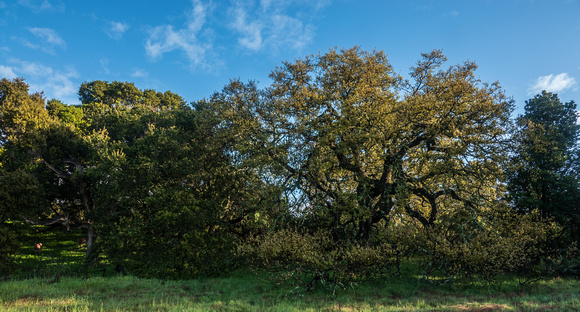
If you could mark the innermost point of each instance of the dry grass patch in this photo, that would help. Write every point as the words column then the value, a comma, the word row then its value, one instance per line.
column 476, row 307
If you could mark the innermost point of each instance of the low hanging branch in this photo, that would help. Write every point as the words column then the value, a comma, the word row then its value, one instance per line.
column 58, row 220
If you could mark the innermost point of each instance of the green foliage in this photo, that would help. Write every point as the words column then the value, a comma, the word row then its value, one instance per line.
column 364, row 154
column 499, row 243
column 547, row 164
column 355, row 144
column 69, row 114
column 102, row 96
column 295, row 257
column 137, row 168
column 19, row 193
column 170, row 201
column 335, row 173
column 21, row 114
column 8, row 247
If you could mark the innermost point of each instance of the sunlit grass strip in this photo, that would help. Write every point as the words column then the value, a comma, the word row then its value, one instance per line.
column 248, row 293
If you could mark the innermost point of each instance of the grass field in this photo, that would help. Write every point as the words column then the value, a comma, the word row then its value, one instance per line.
column 248, row 293
column 56, row 280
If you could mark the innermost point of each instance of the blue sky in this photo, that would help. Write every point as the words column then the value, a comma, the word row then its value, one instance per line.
column 194, row 47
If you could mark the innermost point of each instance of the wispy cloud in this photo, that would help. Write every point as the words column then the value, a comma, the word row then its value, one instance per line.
column 115, row 30
column 139, row 73
column 7, row 72
column 46, row 40
column 250, row 31
column 48, row 35
column 42, row 5
column 290, row 32
column 269, row 24
column 165, row 38
column 59, row 84
column 256, row 26
column 104, row 69
column 552, row 83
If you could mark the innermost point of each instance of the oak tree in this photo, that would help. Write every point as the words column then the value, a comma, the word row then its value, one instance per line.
column 360, row 145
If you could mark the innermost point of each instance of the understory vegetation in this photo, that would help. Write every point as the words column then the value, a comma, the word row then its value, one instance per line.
column 58, row 279
column 340, row 176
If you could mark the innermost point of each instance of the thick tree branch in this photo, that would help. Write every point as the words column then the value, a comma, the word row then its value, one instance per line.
column 58, row 220
column 418, row 216
column 59, row 173
column 345, row 164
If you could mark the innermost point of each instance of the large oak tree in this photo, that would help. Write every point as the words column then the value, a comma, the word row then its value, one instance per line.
column 359, row 145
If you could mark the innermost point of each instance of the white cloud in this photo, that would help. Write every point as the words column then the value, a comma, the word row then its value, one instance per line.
column 308, row 4
column 251, row 32
column 42, row 5
column 552, row 83
column 270, row 25
column 49, row 40
column 139, row 73
column 164, row 39
column 257, row 26
column 7, row 72
column 59, row 84
column 26, row 43
column 104, row 69
column 48, row 35
column 116, row 30
column 288, row 31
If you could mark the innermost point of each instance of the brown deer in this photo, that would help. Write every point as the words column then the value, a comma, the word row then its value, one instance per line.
column 37, row 248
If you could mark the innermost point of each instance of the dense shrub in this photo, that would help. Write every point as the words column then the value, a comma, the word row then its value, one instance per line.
column 500, row 242
column 298, row 257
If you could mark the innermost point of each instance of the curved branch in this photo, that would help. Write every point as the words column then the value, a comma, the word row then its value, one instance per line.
column 75, row 162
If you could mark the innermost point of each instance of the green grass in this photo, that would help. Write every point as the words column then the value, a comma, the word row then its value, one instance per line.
column 60, row 254
column 246, row 292
column 58, row 280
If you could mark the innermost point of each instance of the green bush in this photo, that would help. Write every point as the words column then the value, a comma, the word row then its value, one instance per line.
column 500, row 242
column 168, row 237
column 297, row 257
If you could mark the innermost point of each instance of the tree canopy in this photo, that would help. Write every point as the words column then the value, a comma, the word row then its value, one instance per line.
column 337, row 171
column 360, row 145
column 547, row 170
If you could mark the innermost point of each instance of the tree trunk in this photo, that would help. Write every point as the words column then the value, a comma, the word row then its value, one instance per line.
column 90, row 239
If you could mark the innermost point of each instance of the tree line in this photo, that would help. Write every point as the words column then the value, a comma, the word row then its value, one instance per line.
column 339, row 170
